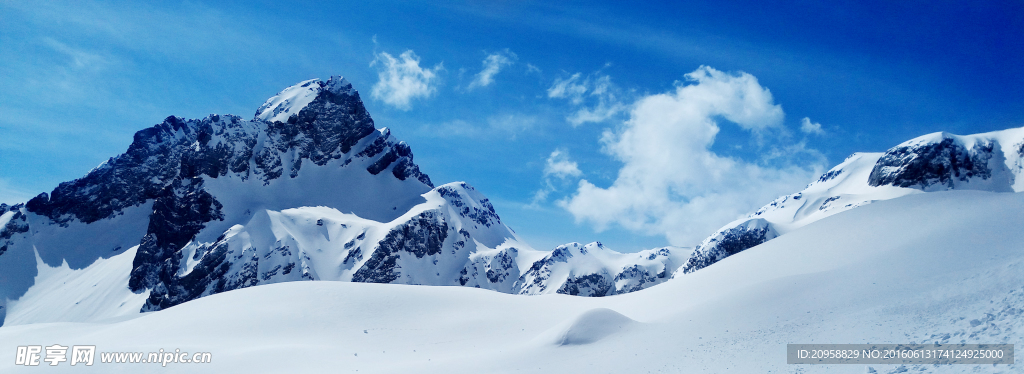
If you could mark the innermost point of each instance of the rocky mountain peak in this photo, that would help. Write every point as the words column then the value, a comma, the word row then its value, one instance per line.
column 309, row 189
column 292, row 100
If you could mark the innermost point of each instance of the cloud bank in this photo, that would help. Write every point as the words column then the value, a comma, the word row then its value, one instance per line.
column 671, row 183
column 400, row 80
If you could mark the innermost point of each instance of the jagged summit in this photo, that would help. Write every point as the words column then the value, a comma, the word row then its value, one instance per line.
column 323, row 130
column 292, row 100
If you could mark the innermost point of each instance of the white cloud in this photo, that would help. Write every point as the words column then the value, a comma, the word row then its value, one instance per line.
column 595, row 97
column 492, row 65
column 568, row 88
column 808, row 127
column 530, row 68
column 402, row 79
column 671, row 183
column 560, row 166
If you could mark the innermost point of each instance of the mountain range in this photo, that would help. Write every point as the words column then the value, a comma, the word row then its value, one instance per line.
column 310, row 189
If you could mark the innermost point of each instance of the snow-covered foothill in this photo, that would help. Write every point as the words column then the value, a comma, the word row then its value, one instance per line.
column 938, row 267
column 929, row 163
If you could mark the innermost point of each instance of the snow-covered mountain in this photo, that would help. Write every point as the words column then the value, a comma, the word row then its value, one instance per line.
column 940, row 267
column 935, row 162
column 308, row 189
column 593, row 270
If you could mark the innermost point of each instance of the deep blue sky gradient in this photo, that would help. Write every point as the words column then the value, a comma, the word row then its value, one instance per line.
column 78, row 79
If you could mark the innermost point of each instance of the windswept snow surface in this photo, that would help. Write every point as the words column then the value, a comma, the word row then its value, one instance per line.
column 942, row 267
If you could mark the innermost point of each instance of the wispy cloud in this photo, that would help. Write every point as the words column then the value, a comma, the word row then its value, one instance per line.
column 176, row 30
column 79, row 58
column 594, row 97
column 400, row 80
column 671, row 182
column 508, row 126
column 557, row 166
column 511, row 124
column 568, row 88
column 808, row 127
column 492, row 65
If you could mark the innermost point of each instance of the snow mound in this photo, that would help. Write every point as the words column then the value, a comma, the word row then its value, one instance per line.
column 591, row 326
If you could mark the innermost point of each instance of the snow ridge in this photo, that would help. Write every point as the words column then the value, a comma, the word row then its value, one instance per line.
column 934, row 162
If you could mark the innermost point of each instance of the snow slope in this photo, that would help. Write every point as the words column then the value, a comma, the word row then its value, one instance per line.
column 935, row 267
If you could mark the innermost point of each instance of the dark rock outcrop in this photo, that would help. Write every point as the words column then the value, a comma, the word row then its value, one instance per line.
column 941, row 163
column 729, row 241
column 420, row 236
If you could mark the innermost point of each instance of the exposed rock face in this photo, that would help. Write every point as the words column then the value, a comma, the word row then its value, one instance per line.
column 421, row 236
column 944, row 164
column 727, row 242
column 179, row 213
column 16, row 224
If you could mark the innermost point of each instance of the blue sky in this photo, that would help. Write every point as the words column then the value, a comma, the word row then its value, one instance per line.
column 638, row 125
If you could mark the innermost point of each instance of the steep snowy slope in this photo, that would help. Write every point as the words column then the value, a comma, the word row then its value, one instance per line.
column 307, row 190
column 935, row 162
column 937, row 267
